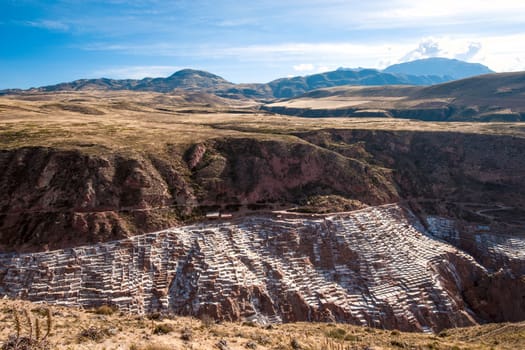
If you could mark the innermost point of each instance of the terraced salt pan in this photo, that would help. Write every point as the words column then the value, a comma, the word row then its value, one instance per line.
column 371, row 267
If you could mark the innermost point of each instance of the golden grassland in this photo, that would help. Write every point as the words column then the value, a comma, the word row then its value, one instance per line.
column 94, row 121
column 104, row 328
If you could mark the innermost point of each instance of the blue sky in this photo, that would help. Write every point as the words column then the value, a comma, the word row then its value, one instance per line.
column 46, row 42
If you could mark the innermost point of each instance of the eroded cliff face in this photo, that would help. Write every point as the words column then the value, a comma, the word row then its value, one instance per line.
column 51, row 198
column 439, row 172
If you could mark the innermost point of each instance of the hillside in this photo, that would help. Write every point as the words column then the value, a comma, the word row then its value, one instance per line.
column 493, row 97
column 290, row 87
column 188, row 203
column 449, row 69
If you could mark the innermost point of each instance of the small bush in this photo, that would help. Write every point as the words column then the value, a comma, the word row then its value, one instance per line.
column 296, row 345
column 336, row 333
column 34, row 340
column 207, row 321
column 155, row 316
column 351, row 337
column 162, row 328
column 222, row 345
column 93, row 333
column 397, row 344
column 105, row 310
column 186, row 334
column 262, row 339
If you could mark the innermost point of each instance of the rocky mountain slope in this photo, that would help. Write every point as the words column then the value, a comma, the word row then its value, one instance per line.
column 493, row 97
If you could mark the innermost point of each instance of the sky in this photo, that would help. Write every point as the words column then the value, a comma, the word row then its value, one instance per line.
column 47, row 42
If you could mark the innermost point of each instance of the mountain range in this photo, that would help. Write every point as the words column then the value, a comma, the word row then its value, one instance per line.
column 420, row 72
column 491, row 97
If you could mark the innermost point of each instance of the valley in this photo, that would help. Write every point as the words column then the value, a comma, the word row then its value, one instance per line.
column 187, row 203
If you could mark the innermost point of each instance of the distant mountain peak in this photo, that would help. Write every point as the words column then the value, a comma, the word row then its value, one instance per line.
column 194, row 72
column 439, row 66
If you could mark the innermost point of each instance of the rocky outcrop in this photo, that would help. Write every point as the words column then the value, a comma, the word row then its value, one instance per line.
column 376, row 267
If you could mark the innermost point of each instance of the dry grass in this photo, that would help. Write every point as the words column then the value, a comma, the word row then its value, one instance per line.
column 133, row 121
column 77, row 329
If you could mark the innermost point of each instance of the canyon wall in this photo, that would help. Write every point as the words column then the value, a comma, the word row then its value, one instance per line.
column 54, row 198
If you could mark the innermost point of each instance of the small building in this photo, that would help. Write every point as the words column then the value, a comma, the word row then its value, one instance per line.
column 213, row 215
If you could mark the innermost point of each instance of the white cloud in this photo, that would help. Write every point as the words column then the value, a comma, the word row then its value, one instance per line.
column 136, row 72
column 238, row 22
column 48, row 24
column 429, row 13
column 304, row 67
column 471, row 52
column 500, row 53
column 426, row 48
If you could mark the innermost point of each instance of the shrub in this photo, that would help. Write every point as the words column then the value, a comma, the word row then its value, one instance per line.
column 443, row 334
column 155, row 316
column 296, row 345
column 397, row 344
column 93, row 333
column 207, row 321
column 187, row 334
column 351, row 337
column 105, row 310
column 336, row 333
column 162, row 328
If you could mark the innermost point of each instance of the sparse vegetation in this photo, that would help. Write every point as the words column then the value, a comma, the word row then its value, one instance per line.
column 336, row 333
column 105, row 310
column 92, row 333
column 76, row 329
column 186, row 334
column 28, row 332
column 207, row 321
column 163, row 328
